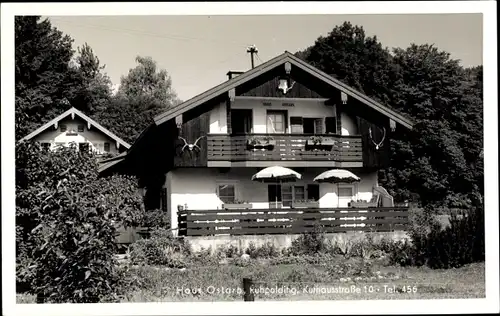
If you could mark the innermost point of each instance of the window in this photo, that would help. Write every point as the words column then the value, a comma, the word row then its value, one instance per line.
column 107, row 147
column 296, row 125
column 276, row 122
column 313, row 125
column 313, row 192
column 330, row 125
column 63, row 127
column 45, row 145
column 241, row 121
column 80, row 128
column 226, row 193
column 346, row 192
column 285, row 194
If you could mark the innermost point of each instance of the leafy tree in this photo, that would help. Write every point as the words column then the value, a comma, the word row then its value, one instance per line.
column 144, row 93
column 44, row 85
column 49, row 80
column 439, row 162
column 95, row 90
column 354, row 58
column 66, row 224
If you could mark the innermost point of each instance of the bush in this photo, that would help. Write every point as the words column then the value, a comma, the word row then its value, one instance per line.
column 161, row 249
column 460, row 243
column 155, row 219
column 309, row 243
column 66, row 220
column 267, row 250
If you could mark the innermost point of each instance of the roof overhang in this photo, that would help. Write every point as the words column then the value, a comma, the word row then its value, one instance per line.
column 270, row 65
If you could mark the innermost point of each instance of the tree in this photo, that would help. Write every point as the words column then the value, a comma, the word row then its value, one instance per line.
column 439, row 162
column 144, row 93
column 354, row 58
column 49, row 79
column 44, row 85
column 95, row 93
column 66, row 222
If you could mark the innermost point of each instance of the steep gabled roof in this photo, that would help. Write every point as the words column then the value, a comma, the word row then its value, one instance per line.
column 269, row 65
column 78, row 113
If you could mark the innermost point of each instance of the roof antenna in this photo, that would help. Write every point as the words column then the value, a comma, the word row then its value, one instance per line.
column 252, row 50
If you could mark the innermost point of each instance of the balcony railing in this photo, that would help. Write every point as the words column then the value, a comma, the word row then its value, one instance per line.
column 290, row 221
column 284, row 147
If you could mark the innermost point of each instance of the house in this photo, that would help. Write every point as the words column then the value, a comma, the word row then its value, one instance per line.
column 73, row 126
column 197, row 160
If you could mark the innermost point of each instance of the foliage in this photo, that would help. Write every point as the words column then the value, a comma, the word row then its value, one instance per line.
column 161, row 249
column 66, row 220
column 49, row 80
column 267, row 250
column 143, row 94
column 443, row 98
column 155, row 219
column 309, row 243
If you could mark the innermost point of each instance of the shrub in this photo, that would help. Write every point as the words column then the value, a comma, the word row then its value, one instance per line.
column 309, row 243
column 66, row 220
column 267, row 250
column 161, row 249
column 155, row 219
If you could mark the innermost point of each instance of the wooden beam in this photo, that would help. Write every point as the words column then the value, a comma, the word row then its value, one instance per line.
column 72, row 115
column 291, row 164
column 392, row 125
column 288, row 67
column 55, row 125
column 231, row 96
column 89, row 125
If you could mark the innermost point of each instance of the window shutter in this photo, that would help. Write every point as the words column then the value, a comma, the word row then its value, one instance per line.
column 318, row 126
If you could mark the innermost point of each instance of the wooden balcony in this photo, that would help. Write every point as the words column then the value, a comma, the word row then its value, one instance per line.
column 290, row 148
column 290, row 221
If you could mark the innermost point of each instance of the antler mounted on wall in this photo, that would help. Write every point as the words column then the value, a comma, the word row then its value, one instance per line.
column 191, row 147
column 379, row 144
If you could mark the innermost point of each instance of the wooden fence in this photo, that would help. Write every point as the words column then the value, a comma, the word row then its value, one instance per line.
column 290, row 221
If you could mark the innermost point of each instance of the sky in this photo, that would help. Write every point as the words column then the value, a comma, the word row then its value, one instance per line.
column 198, row 51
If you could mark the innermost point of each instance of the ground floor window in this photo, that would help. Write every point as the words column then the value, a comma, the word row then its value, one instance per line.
column 226, row 193
column 284, row 195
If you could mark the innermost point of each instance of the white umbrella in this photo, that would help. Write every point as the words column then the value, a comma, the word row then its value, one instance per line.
column 337, row 176
column 276, row 174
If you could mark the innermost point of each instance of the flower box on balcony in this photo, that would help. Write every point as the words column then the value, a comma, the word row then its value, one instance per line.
column 320, row 142
column 305, row 204
column 266, row 142
column 236, row 206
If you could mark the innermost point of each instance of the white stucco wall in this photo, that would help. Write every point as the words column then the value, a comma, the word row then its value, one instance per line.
column 94, row 137
column 307, row 108
column 197, row 188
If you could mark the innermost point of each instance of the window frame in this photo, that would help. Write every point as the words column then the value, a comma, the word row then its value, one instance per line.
column 109, row 147
column 63, row 128
column 82, row 128
column 228, row 183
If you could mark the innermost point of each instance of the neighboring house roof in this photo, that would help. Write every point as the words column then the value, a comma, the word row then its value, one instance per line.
column 269, row 65
column 78, row 113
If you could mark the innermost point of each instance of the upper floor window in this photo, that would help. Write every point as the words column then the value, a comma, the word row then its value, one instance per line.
column 80, row 128
column 107, row 147
column 63, row 127
column 276, row 122
column 45, row 145
column 331, row 125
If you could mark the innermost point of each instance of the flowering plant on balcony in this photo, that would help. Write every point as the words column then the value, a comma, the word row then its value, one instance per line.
column 310, row 203
column 316, row 140
column 261, row 142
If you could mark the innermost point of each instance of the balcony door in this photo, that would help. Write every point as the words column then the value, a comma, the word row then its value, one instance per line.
column 241, row 121
column 346, row 194
column 276, row 122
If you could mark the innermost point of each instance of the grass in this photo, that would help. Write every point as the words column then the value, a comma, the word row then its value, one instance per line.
column 294, row 282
